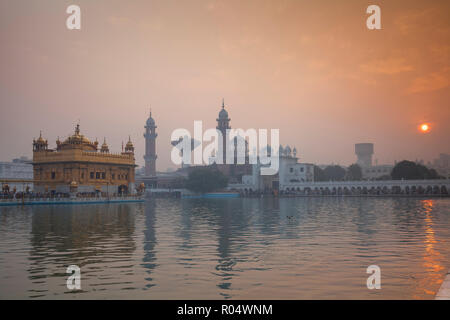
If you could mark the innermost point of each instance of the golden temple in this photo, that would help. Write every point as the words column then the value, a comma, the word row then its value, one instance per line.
column 77, row 165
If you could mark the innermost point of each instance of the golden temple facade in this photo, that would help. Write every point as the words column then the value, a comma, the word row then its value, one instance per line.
column 78, row 165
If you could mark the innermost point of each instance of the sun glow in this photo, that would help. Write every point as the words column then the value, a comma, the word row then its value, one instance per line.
column 425, row 127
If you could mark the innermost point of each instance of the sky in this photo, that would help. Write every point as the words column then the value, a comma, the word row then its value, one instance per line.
column 309, row 68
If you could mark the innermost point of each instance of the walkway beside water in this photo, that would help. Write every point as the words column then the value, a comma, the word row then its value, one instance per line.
column 444, row 291
column 65, row 200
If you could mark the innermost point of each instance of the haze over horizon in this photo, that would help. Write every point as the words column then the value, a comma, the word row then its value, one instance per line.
column 311, row 69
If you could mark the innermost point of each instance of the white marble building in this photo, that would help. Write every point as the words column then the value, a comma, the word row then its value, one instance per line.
column 377, row 171
column 19, row 169
column 291, row 174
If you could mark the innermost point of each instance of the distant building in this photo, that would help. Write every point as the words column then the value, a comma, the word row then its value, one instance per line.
column 377, row 171
column 234, row 171
column 442, row 165
column 150, row 147
column 17, row 174
column 364, row 153
column 241, row 176
column 77, row 165
column 291, row 174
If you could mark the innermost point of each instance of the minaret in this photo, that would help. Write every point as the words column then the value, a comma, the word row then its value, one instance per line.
column 150, row 147
column 223, row 123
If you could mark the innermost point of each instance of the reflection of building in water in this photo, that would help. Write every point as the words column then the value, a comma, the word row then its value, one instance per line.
column 232, row 225
column 77, row 163
column 149, row 257
column 19, row 169
column 96, row 240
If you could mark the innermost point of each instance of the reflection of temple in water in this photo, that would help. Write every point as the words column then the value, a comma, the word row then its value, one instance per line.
column 66, row 235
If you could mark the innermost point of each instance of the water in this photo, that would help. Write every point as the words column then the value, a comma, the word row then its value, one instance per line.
column 227, row 248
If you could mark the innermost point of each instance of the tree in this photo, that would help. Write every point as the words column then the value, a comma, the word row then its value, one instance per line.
column 335, row 173
column 206, row 180
column 319, row 175
column 354, row 172
column 409, row 170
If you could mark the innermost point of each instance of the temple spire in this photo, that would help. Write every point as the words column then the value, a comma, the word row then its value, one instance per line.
column 223, row 103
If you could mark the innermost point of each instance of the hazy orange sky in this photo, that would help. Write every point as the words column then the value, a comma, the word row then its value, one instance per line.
column 310, row 68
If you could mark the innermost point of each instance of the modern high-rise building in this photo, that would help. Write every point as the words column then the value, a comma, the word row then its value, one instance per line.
column 150, row 147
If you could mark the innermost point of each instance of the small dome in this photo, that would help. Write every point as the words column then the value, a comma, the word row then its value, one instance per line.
column 104, row 146
column 150, row 121
column 223, row 114
column 40, row 139
column 74, row 184
column 77, row 138
column 129, row 146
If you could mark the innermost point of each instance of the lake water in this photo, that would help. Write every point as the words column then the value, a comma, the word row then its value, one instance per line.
column 291, row 248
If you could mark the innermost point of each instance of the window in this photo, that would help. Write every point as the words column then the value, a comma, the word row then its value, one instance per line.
column 53, row 175
column 103, row 175
column 113, row 176
column 97, row 175
column 291, row 170
column 301, row 169
column 82, row 175
column 92, row 175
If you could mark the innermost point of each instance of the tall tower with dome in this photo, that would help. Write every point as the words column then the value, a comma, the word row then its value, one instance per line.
column 150, row 147
column 223, row 123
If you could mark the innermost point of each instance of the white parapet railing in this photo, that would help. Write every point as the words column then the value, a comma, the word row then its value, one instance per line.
column 66, row 200
column 367, row 184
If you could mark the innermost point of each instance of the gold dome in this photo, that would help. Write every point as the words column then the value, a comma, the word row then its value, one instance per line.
column 78, row 139
column 129, row 146
column 74, row 184
column 40, row 139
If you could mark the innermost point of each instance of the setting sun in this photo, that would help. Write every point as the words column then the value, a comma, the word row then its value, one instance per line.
column 424, row 127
